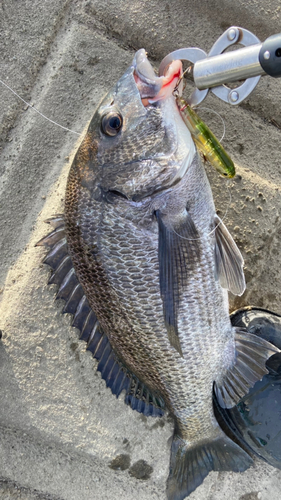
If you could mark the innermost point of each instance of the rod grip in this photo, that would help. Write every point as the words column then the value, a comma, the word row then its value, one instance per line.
column 270, row 56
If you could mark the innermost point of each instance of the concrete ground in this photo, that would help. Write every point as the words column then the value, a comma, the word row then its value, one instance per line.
column 63, row 436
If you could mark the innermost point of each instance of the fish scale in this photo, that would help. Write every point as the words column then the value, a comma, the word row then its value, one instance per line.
column 142, row 312
column 151, row 309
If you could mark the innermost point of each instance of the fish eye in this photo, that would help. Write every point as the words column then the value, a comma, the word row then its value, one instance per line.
column 111, row 123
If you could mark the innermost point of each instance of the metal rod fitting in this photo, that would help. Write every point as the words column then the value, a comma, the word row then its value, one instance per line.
column 228, row 67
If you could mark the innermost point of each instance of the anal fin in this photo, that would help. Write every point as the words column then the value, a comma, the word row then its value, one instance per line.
column 252, row 352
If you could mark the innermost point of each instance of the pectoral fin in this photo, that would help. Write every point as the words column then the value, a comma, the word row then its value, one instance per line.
column 228, row 260
column 178, row 251
column 252, row 352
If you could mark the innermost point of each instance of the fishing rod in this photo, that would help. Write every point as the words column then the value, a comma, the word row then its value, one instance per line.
column 213, row 71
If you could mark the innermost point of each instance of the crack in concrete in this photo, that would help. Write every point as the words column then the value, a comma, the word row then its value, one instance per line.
column 15, row 491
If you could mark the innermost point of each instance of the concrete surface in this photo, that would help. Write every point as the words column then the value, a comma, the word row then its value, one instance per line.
column 63, row 436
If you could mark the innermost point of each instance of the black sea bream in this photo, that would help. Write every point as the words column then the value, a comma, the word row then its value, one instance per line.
column 145, row 265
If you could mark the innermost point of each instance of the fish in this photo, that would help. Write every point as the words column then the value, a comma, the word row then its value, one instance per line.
column 144, row 265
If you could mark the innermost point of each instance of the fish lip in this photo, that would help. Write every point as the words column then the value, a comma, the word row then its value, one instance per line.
column 148, row 83
column 154, row 88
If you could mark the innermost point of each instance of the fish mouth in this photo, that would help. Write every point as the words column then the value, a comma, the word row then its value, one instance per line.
column 154, row 88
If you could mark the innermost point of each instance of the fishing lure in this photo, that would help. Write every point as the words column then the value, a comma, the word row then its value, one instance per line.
column 206, row 140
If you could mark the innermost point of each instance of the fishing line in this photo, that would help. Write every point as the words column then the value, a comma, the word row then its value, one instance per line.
column 39, row 112
column 77, row 133
column 216, row 113
column 213, row 230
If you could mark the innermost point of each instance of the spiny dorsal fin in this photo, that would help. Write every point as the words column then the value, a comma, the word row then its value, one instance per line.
column 228, row 260
column 252, row 352
column 116, row 375
column 177, row 252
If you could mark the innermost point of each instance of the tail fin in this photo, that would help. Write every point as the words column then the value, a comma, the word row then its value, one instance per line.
column 191, row 463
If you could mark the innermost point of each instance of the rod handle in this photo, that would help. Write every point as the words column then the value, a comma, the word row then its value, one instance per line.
column 270, row 56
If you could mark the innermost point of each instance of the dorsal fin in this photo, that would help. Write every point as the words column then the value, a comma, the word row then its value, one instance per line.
column 116, row 375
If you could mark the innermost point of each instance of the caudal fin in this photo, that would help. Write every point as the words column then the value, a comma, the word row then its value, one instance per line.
column 190, row 464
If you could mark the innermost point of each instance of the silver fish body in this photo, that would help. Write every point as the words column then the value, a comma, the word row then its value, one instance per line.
column 154, row 263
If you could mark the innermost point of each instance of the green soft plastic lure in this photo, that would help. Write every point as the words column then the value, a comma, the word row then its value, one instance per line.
column 206, row 140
